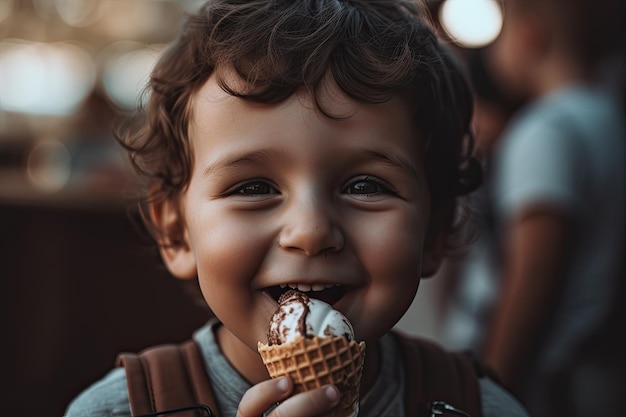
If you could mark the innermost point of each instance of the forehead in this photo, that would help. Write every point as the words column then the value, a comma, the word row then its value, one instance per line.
column 220, row 120
column 328, row 96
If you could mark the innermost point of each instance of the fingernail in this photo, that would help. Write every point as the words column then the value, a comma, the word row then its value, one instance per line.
column 332, row 393
column 282, row 384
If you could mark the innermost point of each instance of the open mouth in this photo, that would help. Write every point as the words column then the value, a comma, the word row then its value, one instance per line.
column 329, row 294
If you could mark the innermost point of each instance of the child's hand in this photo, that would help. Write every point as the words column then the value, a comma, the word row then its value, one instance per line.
column 264, row 395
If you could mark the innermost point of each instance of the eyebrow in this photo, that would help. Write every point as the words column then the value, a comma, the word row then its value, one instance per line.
column 397, row 160
column 238, row 158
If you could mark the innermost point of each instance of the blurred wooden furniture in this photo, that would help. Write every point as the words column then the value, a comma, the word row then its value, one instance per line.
column 80, row 285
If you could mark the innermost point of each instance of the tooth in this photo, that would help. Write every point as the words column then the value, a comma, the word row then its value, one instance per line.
column 309, row 287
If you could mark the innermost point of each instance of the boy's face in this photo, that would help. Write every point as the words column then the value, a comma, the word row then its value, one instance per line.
column 282, row 195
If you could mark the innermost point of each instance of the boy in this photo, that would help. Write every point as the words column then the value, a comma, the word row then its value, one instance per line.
column 318, row 145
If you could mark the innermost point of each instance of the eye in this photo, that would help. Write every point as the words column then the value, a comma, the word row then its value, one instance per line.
column 255, row 188
column 368, row 186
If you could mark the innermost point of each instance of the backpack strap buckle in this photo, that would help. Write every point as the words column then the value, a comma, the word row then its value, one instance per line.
column 204, row 409
column 439, row 408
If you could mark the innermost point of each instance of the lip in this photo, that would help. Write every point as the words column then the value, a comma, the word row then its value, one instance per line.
column 330, row 294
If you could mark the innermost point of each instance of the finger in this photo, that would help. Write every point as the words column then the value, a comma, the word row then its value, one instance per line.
column 309, row 404
column 263, row 395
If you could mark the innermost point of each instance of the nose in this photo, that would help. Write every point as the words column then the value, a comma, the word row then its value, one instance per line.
column 310, row 228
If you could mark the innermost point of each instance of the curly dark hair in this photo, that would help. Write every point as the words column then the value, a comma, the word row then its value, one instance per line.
column 373, row 49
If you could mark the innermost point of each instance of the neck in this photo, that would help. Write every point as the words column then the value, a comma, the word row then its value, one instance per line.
column 556, row 73
column 242, row 357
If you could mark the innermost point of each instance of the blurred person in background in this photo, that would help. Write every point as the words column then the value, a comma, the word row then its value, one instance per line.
column 556, row 333
column 541, row 291
column 470, row 279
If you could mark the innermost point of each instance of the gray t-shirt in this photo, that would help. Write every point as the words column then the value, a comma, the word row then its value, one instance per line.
column 568, row 151
column 109, row 397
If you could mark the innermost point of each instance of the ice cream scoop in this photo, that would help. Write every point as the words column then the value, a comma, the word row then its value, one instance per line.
column 314, row 345
column 298, row 315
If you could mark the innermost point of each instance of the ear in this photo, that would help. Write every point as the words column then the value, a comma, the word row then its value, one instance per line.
column 173, row 239
column 433, row 254
column 435, row 241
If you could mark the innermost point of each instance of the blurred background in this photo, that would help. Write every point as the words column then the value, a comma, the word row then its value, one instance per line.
column 81, row 281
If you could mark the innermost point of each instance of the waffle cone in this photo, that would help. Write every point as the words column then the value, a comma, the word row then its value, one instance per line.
column 318, row 361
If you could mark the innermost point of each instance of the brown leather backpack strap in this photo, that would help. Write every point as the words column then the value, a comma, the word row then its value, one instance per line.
column 196, row 370
column 167, row 377
column 139, row 389
column 433, row 374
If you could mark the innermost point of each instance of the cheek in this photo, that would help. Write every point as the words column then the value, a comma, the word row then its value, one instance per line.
column 395, row 265
column 391, row 255
column 227, row 251
column 215, row 248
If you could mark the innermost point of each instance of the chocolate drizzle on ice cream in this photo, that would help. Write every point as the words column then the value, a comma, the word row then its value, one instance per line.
column 298, row 315
column 314, row 345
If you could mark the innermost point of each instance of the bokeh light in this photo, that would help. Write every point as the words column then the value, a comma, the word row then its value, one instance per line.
column 126, row 72
column 49, row 165
column 81, row 13
column 471, row 23
column 44, row 79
